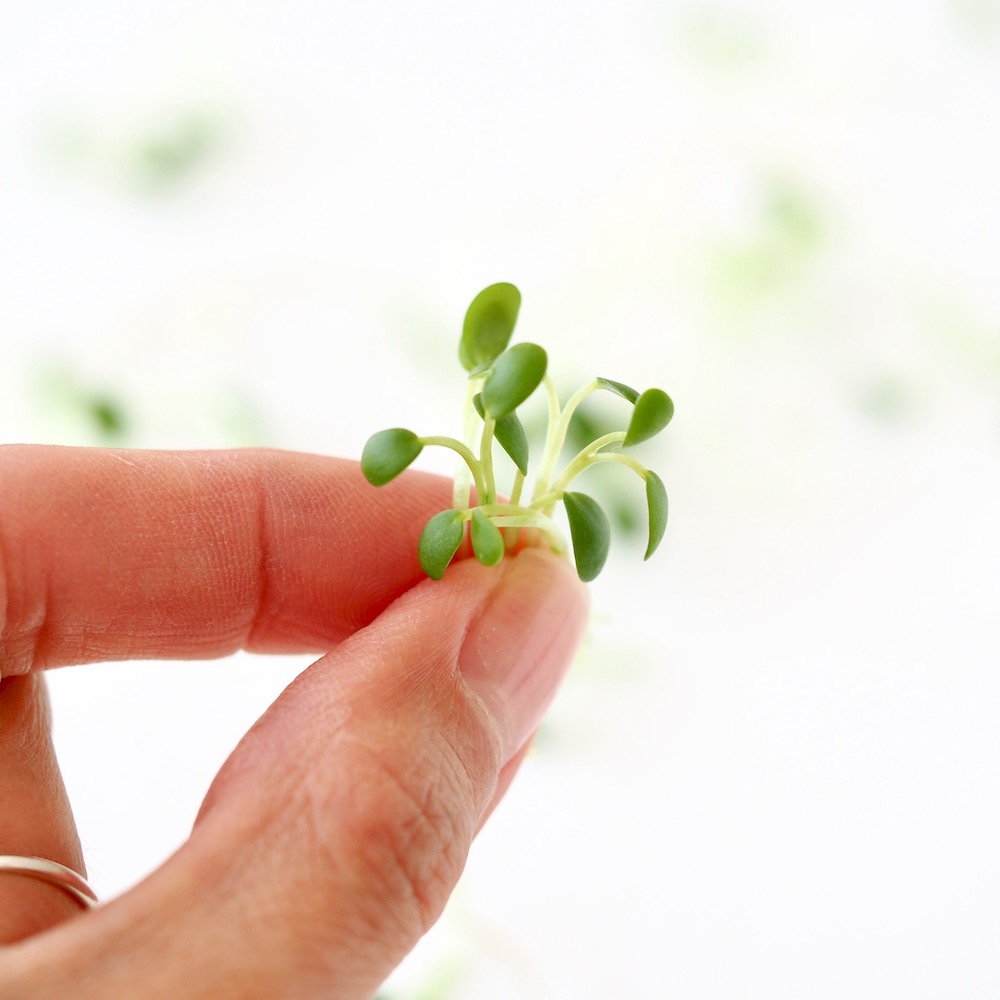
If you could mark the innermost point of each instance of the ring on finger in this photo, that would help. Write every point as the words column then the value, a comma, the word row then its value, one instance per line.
column 68, row 881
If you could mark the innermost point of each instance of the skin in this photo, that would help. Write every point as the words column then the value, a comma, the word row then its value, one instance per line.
column 333, row 836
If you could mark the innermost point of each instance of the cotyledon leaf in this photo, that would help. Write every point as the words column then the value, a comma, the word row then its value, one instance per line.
column 387, row 453
column 487, row 542
column 590, row 532
column 489, row 323
column 652, row 412
column 512, row 378
column 439, row 542
column 656, row 500
column 625, row 391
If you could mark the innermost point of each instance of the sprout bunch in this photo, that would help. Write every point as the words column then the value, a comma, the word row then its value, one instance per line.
column 500, row 379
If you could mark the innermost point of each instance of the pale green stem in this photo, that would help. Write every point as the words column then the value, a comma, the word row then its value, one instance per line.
column 616, row 456
column 545, row 502
column 570, row 473
column 515, row 495
column 553, row 444
column 470, row 460
column 486, row 460
column 463, row 481
column 586, row 457
column 461, row 491
column 508, row 515
column 510, row 538
column 543, row 524
column 558, row 428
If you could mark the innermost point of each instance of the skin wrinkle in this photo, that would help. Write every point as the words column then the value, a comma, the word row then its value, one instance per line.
column 410, row 823
column 26, row 730
column 11, row 657
column 264, row 588
column 40, row 632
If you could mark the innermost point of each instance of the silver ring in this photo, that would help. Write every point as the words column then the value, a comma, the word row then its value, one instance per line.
column 69, row 881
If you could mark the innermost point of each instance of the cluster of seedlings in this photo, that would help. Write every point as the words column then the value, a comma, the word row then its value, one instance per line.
column 500, row 379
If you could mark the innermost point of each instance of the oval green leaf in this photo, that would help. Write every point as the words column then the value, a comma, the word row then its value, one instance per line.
column 619, row 388
column 590, row 532
column 509, row 431
column 487, row 542
column 515, row 375
column 489, row 323
column 387, row 453
column 439, row 541
column 653, row 410
column 656, row 500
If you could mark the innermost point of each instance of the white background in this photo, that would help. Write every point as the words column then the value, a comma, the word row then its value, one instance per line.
column 774, row 770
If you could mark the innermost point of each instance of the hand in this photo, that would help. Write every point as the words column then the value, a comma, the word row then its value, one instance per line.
column 333, row 835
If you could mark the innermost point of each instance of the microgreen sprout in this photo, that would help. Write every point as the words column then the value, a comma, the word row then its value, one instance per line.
column 500, row 379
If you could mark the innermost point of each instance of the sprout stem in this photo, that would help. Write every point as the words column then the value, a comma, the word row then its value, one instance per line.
column 486, row 460
column 515, row 495
column 470, row 460
column 585, row 458
column 463, row 482
column 510, row 515
column 554, row 438
column 577, row 466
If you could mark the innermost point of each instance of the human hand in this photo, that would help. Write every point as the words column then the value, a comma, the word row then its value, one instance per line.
column 332, row 837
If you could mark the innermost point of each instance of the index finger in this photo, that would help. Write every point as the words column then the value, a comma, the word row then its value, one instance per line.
column 110, row 554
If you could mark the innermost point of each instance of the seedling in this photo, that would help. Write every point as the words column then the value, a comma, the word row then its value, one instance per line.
column 500, row 379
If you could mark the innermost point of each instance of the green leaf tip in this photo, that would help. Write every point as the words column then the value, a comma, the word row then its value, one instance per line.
column 489, row 324
column 387, row 453
column 487, row 542
column 513, row 377
column 625, row 391
column 590, row 532
column 510, row 433
column 653, row 410
column 656, row 501
column 439, row 541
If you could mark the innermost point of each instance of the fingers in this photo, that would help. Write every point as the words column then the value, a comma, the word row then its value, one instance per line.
column 332, row 838
column 127, row 554
column 35, row 817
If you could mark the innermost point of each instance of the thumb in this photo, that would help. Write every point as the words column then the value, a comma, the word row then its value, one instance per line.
column 332, row 838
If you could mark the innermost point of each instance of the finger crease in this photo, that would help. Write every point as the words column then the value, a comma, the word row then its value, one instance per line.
column 263, row 567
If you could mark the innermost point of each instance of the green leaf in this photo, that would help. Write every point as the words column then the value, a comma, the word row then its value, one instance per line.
column 653, row 410
column 387, row 453
column 489, row 323
column 656, row 500
column 487, row 542
column 509, row 431
column 439, row 541
column 591, row 534
column 515, row 375
column 625, row 391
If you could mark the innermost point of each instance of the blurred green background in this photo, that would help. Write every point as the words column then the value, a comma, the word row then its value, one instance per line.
column 775, row 770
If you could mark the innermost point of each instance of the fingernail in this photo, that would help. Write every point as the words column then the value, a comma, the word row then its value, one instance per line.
column 517, row 651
